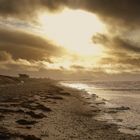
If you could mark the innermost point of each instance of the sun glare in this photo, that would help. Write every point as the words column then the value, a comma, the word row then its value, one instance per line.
column 73, row 30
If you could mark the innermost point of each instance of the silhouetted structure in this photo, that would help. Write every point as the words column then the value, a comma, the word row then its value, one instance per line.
column 24, row 76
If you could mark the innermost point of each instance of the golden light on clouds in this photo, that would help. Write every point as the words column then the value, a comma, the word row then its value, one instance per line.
column 73, row 30
column 86, row 37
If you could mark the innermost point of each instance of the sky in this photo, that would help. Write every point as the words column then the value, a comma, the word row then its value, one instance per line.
column 71, row 39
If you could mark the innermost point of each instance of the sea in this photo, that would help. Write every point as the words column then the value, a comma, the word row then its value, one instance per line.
column 121, row 97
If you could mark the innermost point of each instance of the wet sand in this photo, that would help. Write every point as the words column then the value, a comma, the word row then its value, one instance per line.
column 43, row 110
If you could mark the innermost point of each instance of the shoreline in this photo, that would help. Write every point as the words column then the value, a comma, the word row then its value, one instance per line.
column 100, row 104
column 120, row 110
column 44, row 110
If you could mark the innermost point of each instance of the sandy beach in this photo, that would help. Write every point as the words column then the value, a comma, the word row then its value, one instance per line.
column 41, row 109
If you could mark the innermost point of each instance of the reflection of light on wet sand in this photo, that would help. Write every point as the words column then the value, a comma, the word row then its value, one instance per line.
column 76, row 85
column 130, row 119
column 79, row 86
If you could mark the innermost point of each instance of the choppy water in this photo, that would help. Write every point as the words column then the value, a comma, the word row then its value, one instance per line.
column 116, row 94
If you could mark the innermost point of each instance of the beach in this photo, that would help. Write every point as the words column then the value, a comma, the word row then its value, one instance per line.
column 43, row 109
column 117, row 100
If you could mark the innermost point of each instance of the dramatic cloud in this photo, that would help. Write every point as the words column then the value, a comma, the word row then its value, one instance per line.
column 125, row 10
column 121, row 55
column 125, row 61
column 27, row 8
column 28, row 51
column 116, row 43
column 27, row 46
column 4, row 56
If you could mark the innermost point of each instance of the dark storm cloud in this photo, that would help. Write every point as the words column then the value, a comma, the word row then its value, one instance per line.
column 116, row 43
column 27, row 46
column 27, row 8
column 16, row 7
column 122, row 54
column 126, row 10
column 126, row 44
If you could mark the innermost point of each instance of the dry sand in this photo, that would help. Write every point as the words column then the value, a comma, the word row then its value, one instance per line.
column 43, row 110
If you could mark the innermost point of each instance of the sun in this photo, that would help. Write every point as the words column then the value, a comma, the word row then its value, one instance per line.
column 73, row 30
